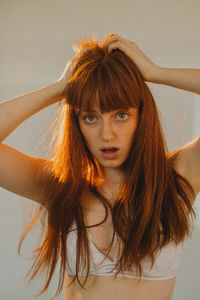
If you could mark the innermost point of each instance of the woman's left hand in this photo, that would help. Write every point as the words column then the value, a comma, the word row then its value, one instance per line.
column 145, row 65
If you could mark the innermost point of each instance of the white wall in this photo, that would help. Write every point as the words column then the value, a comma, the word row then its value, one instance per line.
column 36, row 40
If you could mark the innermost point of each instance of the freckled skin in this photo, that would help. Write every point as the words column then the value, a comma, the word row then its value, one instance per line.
column 115, row 128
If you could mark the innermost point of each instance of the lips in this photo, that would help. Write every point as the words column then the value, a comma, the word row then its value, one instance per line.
column 109, row 148
column 110, row 153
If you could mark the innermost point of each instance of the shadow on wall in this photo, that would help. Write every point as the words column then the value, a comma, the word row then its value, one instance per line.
column 189, row 269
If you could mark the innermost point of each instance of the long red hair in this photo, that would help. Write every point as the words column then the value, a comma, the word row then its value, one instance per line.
column 153, row 198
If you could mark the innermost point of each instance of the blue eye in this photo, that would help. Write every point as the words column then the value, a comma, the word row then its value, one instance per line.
column 122, row 113
column 89, row 118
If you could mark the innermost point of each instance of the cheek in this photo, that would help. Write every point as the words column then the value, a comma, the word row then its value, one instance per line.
column 130, row 132
column 87, row 134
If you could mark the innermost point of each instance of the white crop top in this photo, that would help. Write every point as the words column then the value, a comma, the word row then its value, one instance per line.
column 165, row 265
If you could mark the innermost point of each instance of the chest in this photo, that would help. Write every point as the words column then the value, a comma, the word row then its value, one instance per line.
column 94, row 213
column 101, row 235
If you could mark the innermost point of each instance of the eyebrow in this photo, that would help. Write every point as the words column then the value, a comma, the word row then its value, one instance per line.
column 93, row 110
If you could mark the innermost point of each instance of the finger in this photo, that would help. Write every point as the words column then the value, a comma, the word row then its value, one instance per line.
column 116, row 45
column 114, row 35
column 117, row 41
column 109, row 38
column 77, row 56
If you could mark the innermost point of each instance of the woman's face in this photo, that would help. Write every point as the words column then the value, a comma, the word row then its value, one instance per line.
column 114, row 129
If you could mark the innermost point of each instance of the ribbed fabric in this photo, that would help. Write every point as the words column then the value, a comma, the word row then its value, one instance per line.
column 165, row 266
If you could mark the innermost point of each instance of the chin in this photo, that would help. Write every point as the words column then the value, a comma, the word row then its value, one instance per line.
column 111, row 163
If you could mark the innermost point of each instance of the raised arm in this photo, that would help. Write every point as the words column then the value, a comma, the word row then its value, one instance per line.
column 186, row 79
column 16, row 110
column 21, row 173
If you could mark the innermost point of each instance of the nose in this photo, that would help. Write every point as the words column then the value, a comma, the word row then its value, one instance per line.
column 107, row 130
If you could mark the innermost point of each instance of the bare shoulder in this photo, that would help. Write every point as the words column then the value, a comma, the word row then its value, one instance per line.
column 188, row 162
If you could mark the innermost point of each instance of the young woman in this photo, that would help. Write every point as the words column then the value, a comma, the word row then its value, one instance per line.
column 114, row 205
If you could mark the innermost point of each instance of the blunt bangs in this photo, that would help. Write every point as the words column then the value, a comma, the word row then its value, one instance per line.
column 106, row 83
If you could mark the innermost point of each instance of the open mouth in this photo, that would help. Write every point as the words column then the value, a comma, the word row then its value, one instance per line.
column 109, row 150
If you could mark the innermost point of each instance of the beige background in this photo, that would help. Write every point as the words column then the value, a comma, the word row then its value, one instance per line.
column 36, row 40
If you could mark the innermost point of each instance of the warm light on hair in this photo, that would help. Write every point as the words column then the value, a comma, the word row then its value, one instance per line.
column 153, row 196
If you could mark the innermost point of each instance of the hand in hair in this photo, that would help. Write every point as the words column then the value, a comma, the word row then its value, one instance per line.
column 68, row 70
column 145, row 65
column 70, row 66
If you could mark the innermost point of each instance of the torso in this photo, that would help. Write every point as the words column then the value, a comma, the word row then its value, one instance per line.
column 101, row 287
column 108, row 288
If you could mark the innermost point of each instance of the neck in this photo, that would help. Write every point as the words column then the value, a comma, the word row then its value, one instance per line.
column 112, row 176
column 111, row 184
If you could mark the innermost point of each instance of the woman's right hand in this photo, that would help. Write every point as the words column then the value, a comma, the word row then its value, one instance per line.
column 65, row 76
column 71, row 64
